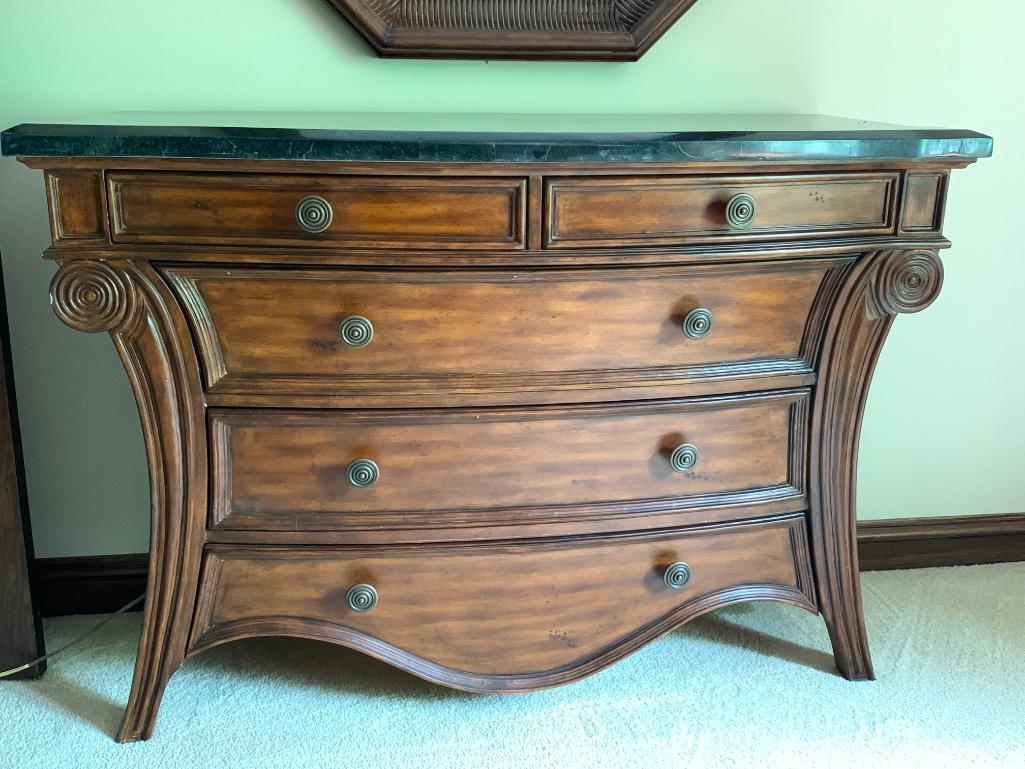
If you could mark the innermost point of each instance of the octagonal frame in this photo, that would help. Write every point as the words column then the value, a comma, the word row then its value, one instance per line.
column 595, row 30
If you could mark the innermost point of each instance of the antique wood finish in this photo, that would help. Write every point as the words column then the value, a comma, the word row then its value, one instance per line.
column 923, row 202
column 548, row 340
column 616, row 30
column 501, row 617
column 78, row 209
column 666, row 210
column 133, row 304
column 252, row 209
column 439, row 334
column 882, row 286
column 546, row 464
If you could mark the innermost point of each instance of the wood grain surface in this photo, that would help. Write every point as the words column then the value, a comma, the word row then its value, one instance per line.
column 272, row 331
column 369, row 212
column 527, row 376
column 520, row 616
column 474, row 468
column 666, row 210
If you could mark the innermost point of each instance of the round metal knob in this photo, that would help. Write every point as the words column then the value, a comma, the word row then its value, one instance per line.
column 356, row 331
column 362, row 473
column 697, row 323
column 740, row 210
column 313, row 214
column 361, row 597
column 677, row 575
column 683, row 457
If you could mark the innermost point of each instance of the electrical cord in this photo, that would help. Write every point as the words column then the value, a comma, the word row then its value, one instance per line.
column 69, row 644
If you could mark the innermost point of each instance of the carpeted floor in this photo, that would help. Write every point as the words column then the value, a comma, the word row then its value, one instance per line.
column 748, row 686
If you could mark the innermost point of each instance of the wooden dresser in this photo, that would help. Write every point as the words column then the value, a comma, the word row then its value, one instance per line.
column 496, row 408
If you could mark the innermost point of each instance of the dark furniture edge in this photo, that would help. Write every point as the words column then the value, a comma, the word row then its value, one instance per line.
column 21, row 627
column 362, row 145
column 104, row 583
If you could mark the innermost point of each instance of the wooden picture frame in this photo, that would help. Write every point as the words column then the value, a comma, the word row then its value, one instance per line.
column 597, row 30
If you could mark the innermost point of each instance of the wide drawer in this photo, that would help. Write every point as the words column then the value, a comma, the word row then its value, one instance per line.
column 623, row 211
column 338, row 211
column 506, row 617
column 396, row 470
column 282, row 331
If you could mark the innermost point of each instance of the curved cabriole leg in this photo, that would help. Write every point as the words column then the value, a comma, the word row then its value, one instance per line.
column 131, row 302
column 882, row 285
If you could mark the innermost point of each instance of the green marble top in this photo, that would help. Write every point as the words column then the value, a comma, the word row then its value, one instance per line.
column 491, row 138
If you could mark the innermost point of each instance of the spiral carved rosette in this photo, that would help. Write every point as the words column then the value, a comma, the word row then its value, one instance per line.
column 907, row 281
column 92, row 296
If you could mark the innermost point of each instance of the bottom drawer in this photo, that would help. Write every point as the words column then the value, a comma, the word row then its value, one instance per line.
column 500, row 617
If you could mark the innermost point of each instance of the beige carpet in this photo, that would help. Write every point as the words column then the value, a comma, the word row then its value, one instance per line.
column 749, row 686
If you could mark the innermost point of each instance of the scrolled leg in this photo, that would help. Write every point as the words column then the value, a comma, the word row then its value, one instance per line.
column 131, row 302
column 879, row 287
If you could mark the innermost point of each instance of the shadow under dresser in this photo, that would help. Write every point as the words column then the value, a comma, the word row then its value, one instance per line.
column 495, row 407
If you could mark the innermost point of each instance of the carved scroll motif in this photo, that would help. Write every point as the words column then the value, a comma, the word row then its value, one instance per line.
column 93, row 296
column 906, row 281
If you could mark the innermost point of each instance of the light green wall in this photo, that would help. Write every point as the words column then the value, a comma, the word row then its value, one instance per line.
column 945, row 422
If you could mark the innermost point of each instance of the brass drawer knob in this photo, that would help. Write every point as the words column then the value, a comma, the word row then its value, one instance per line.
column 362, row 473
column 677, row 575
column 697, row 323
column 313, row 214
column 683, row 457
column 740, row 211
column 356, row 331
column 361, row 597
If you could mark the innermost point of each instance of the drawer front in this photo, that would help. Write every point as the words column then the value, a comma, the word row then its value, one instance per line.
column 673, row 210
column 290, row 471
column 485, row 617
column 359, row 212
column 266, row 330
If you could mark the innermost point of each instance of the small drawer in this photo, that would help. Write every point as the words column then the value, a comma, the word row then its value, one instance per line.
column 402, row 470
column 649, row 211
column 500, row 617
column 409, row 335
column 334, row 211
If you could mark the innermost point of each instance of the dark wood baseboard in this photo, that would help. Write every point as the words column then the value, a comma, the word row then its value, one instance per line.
column 90, row 584
column 966, row 540
column 104, row 583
